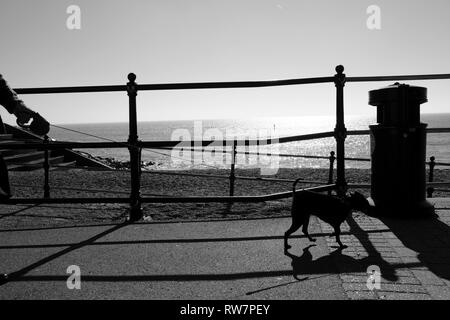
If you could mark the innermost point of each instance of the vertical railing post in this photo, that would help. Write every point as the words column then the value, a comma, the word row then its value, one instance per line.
column 340, row 132
column 46, row 170
column 430, row 190
column 330, row 173
column 135, row 162
column 232, row 173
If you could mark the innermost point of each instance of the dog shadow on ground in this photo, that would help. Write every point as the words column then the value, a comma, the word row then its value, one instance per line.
column 337, row 263
column 428, row 237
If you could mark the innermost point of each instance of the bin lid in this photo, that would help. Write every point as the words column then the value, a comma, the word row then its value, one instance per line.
column 393, row 93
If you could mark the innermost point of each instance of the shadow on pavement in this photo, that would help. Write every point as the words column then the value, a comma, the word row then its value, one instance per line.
column 186, row 240
column 161, row 277
column 16, row 275
column 336, row 263
column 430, row 238
column 18, row 211
column 387, row 270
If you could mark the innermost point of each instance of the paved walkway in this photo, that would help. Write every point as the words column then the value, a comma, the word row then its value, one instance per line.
column 240, row 259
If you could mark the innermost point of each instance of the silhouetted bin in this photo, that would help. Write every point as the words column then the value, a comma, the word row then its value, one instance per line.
column 398, row 150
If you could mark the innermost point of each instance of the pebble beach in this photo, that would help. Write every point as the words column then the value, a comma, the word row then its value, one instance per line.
column 86, row 183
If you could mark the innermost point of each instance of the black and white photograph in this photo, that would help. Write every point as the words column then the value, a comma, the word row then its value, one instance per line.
column 226, row 156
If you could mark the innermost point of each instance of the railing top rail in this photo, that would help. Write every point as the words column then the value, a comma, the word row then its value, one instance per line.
column 78, row 89
column 399, row 77
column 438, row 130
column 177, row 86
column 224, row 85
column 235, row 84
column 365, row 132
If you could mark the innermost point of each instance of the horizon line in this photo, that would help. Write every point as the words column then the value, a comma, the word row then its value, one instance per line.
column 233, row 119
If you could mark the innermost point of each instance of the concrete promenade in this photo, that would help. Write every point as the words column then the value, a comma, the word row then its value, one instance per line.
column 231, row 259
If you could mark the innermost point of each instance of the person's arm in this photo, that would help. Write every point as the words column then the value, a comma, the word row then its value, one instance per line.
column 8, row 98
column 11, row 101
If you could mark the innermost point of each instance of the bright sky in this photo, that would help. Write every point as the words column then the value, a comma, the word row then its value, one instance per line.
column 218, row 40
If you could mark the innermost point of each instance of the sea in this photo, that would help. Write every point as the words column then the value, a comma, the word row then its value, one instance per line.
column 438, row 144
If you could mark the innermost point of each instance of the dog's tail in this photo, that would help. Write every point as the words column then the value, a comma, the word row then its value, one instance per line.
column 295, row 184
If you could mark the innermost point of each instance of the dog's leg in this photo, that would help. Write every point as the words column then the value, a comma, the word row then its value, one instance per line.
column 294, row 227
column 337, row 232
column 305, row 229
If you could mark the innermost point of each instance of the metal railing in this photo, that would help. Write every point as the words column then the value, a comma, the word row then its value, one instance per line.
column 135, row 146
column 431, row 184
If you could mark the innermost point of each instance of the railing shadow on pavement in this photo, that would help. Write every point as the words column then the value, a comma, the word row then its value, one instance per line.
column 17, row 275
column 326, row 269
column 10, row 214
column 374, row 258
column 176, row 241
column 334, row 263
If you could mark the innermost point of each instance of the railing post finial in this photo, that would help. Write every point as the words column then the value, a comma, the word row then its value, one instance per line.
column 132, row 77
column 339, row 77
column 132, row 85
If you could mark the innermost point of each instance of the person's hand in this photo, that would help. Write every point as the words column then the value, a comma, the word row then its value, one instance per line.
column 23, row 113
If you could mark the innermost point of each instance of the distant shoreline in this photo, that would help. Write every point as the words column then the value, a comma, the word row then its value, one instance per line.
column 233, row 119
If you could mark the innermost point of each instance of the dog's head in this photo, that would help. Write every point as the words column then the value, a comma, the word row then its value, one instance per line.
column 358, row 202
